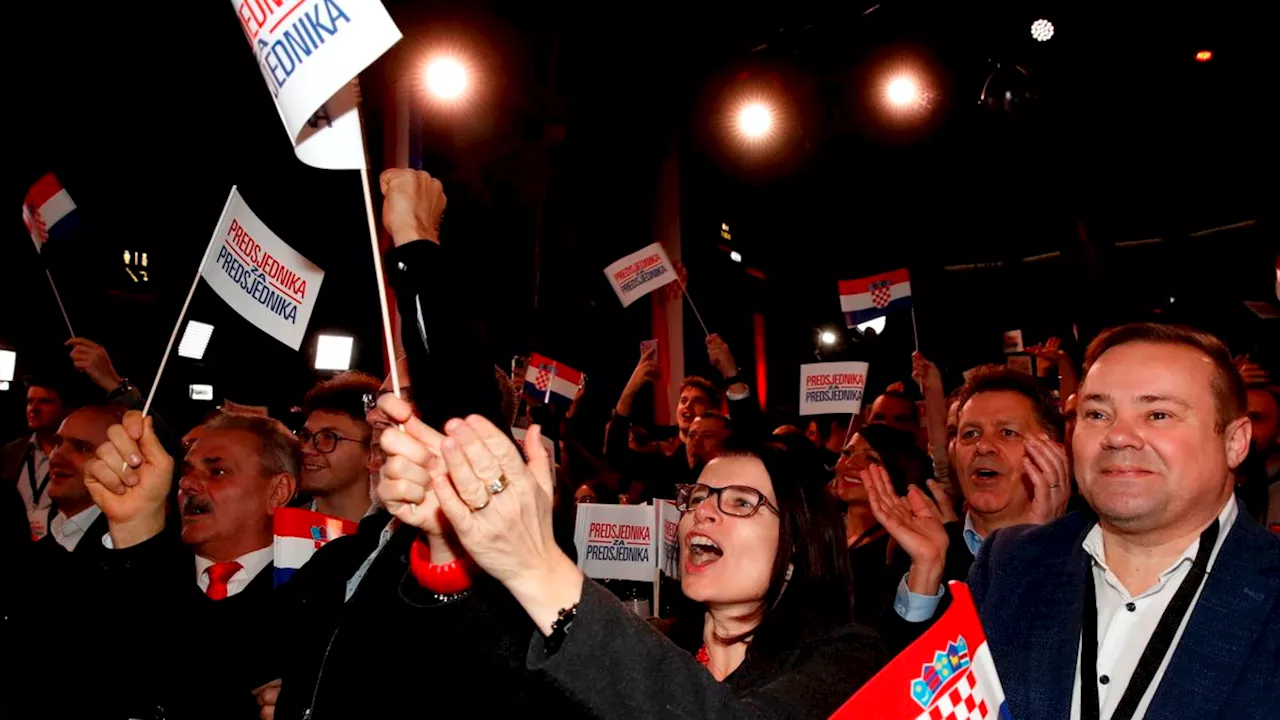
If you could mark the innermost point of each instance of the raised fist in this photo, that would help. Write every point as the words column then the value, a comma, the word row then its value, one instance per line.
column 412, row 205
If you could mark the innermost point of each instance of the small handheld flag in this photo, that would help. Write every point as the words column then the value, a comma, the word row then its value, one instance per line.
column 947, row 674
column 299, row 534
column 872, row 297
column 549, row 381
column 48, row 210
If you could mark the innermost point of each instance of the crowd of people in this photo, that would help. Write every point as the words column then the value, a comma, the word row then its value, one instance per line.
column 1110, row 524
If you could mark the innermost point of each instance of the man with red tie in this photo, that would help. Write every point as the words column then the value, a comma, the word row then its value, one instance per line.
column 191, row 649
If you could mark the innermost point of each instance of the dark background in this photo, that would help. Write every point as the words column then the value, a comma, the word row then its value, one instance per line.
column 552, row 170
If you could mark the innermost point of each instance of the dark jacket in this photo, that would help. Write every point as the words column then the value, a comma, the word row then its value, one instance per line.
column 1029, row 585
column 186, row 656
column 616, row 665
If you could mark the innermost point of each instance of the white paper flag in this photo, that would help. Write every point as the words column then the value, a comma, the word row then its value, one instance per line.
column 640, row 273
column 264, row 279
column 834, row 387
column 309, row 51
column 669, row 523
column 616, row 541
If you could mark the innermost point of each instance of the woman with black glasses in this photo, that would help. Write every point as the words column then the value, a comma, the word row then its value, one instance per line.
column 764, row 559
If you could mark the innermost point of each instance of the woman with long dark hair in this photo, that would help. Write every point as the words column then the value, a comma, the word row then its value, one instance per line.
column 761, row 554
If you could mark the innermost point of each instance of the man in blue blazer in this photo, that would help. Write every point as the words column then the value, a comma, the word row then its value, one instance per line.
column 1164, row 602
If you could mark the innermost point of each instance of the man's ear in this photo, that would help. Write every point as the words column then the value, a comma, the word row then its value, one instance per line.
column 1235, row 439
column 283, row 488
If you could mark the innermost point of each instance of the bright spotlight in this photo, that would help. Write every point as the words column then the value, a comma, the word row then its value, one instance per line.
column 195, row 340
column 1204, row 56
column 876, row 324
column 446, row 78
column 8, row 361
column 755, row 120
column 828, row 337
column 902, row 91
column 1042, row 30
column 735, row 256
column 200, row 392
column 333, row 352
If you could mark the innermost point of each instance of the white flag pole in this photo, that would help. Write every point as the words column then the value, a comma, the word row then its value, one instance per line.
column 155, row 383
column 696, row 314
column 58, row 297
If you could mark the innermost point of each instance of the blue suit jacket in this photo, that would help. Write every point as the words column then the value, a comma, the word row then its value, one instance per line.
column 1029, row 585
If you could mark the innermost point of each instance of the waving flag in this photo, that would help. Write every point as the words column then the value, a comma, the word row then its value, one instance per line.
column 640, row 273
column 299, row 534
column 48, row 210
column 872, row 297
column 551, row 381
column 947, row 674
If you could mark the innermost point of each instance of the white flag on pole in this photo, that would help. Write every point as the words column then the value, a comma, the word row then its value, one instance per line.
column 258, row 274
column 832, row 387
column 308, row 52
column 640, row 273
column 616, row 541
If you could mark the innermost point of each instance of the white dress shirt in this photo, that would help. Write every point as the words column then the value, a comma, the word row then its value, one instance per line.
column 37, row 506
column 1125, row 623
column 68, row 530
column 251, row 564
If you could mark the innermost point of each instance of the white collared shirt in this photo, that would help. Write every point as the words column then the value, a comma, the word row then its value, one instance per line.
column 251, row 564
column 69, row 530
column 1125, row 623
column 37, row 507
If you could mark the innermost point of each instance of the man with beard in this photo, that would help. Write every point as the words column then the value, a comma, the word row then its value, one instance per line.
column 187, row 606
column 335, row 445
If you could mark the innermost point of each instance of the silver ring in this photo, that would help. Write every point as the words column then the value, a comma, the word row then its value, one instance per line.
column 498, row 485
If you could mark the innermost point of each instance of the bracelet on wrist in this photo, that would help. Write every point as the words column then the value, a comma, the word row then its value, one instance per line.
column 451, row 578
column 560, row 628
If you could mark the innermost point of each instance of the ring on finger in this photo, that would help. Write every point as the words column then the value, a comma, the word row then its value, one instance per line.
column 1055, row 487
column 497, row 485
column 482, row 505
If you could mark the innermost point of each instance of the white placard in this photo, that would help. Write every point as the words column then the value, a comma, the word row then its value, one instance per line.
column 616, row 541
column 833, row 387
column 669, row 525
column 640, row 273
column 265, row 280
column 1013, row 342
column 308, row 52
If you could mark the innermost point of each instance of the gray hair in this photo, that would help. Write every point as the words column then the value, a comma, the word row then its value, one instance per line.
column 280, row 451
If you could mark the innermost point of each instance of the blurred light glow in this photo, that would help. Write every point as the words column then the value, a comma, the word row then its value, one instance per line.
column 8, row 361
column 447, row 78
column 1042, row 30
column 195, row 340
column 4, row 385
column 735, row 256
column 201, row 392
column 333, row 352
column 902, row 91
column 876, row 324
column 828, row 337
column 1204, row 56
column 755, row 120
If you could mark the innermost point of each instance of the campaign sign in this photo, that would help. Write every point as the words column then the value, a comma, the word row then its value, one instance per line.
column 616, row 541
column 833, row 387
column 255, row 272
column 640, row 273
column 1013, row 341
column 308, row 52
column 669, row 524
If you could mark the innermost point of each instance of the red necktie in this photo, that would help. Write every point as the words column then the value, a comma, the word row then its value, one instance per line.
column 219, row 574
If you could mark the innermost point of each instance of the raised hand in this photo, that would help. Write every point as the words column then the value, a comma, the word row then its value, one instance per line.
column 500, row 509
column 1046, row 464
column 915, row 523
column 412, row 206
column 647, row 370
column 91, row 359
column 130, row 480
column 413, row 459
column 266, row 697
column 925, row 373
column 942, row 498
column 721, row 356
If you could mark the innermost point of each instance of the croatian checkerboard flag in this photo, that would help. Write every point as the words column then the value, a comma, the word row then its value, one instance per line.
column 871, row 297
column 299, row 534
column 947, row 674
column 48, row 210
column 551, row 381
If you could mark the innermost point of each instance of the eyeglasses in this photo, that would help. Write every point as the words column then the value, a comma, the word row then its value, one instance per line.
column 325, row 441
column 371, row 399
column 734, row 500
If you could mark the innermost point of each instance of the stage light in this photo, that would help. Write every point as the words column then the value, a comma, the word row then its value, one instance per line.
column 735, row 256
column 200, row 392
column 876, row 324
column 4, row 385
column 447, row 78
column 1204, row 56
column 195, row 339
column 828, row 338
column 902, row 91
column 333, row 352
column 755, row 120
column 8, row 361
column 1042, row 30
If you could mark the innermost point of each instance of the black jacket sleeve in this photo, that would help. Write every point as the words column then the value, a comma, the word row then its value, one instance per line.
column 616, row 665
column 448, row 345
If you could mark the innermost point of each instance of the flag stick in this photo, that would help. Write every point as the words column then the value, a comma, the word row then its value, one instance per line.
column 58, row 297
column 387, row 335
column 914, row 333
column 183, row 313
column 696, row 314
